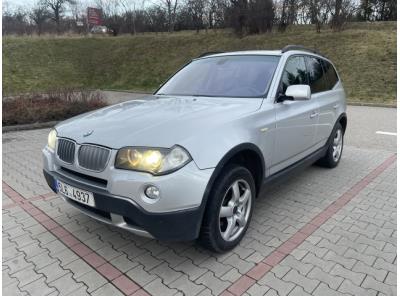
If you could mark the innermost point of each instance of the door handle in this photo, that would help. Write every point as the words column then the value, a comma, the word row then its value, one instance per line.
column 313, row 114
column 336, row 106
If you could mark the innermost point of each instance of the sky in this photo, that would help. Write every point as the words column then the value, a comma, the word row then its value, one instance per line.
column 28, row 4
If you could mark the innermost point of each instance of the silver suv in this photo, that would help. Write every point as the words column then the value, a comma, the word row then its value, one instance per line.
column 189, row 161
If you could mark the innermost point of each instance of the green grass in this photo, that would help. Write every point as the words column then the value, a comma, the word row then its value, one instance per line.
column 365, row 55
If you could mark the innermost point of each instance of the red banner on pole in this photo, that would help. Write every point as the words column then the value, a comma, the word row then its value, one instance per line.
column 94, row 16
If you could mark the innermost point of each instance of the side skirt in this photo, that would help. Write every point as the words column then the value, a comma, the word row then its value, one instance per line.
column 286, row 173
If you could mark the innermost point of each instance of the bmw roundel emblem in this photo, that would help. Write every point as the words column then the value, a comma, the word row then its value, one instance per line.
column 88, row 133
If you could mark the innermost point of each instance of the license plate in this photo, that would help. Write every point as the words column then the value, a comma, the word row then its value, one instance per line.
column 79, row 195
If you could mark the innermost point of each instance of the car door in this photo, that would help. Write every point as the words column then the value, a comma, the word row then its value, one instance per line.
column 328, row 99
column 295, row 120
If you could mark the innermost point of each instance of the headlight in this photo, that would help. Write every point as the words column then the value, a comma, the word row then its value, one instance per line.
column 157, row 161
column 52, row 139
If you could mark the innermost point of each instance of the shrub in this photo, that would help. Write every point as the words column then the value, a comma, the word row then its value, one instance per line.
column 53, row 106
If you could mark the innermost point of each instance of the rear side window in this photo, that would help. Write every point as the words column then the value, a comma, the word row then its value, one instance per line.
column 295, row 73
column 331, row 76
column 316, row 75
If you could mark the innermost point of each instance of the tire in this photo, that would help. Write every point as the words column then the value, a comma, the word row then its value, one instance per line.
column 335, row 149
column 220, row 234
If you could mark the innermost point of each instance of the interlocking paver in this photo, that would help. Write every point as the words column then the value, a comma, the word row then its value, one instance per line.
column 354, row 277
column 324, row 290
column 350, row 253
column 140, row 275
column 302, row 267
column 378, row 274
column 382, row 264
column 348, row 287
column 192, row 270
column 324, row 264
column 295, row 277
column 332, row 281
column 53, row 271
column 186, row 286
column 123, row 263
column 372, row 283
column 39, row 287
column 171, row 257
column 235, row 261
column 213, row 283
column 332, row 258
column 232, row 275
column 298, row 291
column 156, row 287
column 17, row 263
column 107, row 290
column 12, row 289
column 391, row 279
column 353, row 252
column 282, row 287
column 166, row 273
column 92, row 280
column 216, row 267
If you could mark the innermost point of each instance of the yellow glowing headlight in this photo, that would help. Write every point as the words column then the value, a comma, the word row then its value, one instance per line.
column 152, row 160
column 52, row 139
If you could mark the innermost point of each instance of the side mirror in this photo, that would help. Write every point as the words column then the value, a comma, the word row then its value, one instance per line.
column 299, row 92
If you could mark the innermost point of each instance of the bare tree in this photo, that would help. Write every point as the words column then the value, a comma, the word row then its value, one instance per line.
column 293, row 6
column 337, row 19
column 39, row 15
column 283, row 20
column 216, row 13
column 15, row 22
column 316, row 12
column 260, row 16
column 171, row 6
column 238, row 13
column 196, row 9
column 340, row 11
column 378, row 10
column 57, row 8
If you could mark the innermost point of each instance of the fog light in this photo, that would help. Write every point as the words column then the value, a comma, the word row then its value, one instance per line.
column 152, row 192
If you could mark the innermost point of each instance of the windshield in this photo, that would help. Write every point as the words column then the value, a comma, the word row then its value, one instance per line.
column 225, row 76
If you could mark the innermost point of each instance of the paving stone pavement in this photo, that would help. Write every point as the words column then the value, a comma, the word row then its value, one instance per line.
column 50, row 248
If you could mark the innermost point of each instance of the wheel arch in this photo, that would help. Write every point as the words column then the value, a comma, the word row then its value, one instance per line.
column 342, row 119
column 233, row 155
column 247, row 155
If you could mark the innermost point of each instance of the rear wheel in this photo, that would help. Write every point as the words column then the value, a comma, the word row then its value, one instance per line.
column 334, row 152
column 229, row 209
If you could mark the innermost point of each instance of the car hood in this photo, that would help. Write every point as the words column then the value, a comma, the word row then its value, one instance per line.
column 155, row 121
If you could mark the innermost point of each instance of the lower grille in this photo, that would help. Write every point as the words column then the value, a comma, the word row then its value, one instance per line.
column 93, row 158
column 66, row 150
column 85, row 178
column 96, row 211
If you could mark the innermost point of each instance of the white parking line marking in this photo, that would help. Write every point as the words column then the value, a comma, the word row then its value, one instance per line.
column 386, row 133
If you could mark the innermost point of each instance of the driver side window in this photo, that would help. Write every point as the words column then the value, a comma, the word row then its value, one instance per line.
column 295, row 72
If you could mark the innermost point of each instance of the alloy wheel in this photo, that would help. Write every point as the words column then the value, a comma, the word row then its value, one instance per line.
column 337, row 145
column 235, row 210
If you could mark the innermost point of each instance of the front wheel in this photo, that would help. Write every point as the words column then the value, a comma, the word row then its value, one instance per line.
column 334, row 152
column 229, row 209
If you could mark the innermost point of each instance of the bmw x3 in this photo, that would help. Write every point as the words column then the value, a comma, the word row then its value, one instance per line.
column 189, row 161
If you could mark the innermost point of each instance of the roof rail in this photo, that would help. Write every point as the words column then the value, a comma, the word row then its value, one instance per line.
column 299, row 47
column 209, row 53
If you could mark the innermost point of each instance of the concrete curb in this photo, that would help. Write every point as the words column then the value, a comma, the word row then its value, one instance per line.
column 124, row 91
column 365, row 104
column 30, row 126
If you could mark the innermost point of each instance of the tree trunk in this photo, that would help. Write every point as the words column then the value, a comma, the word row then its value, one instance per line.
column 337, row 21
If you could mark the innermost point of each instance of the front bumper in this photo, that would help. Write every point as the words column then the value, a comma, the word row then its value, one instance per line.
column 124, row 213
column 120, row 199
